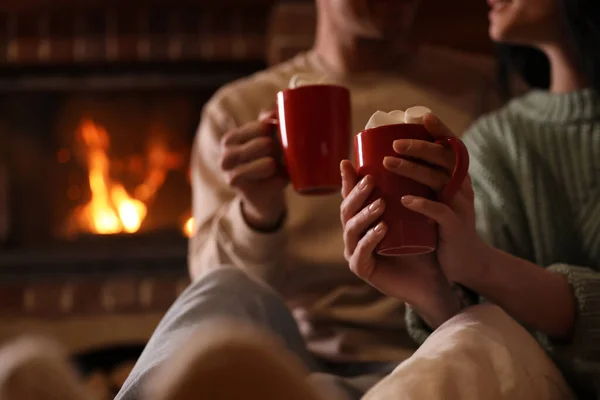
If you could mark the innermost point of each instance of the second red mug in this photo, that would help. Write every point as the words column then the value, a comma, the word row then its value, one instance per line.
column 314, row 132
column 409, row 233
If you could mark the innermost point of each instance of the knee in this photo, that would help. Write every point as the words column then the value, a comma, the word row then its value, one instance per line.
column 485, row 328
column 33, row 367
column 492, row 318
column 226, row 359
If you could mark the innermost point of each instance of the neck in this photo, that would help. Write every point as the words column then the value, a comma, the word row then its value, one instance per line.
column 565, row 77
column 343, row 54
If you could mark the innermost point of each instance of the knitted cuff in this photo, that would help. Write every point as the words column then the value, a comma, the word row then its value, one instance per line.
column 418, row 330
column 252, row 244
column 585, row 342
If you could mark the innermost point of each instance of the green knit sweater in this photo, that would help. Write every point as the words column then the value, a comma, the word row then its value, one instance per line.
column 535, row 166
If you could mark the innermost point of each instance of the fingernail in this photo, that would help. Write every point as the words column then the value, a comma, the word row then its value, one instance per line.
column 375, row 205
column 406, row 200
column 392, row 162
column 380, row 227
column 364, row 182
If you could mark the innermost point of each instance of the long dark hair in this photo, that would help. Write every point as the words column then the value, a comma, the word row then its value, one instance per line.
column 582, row 19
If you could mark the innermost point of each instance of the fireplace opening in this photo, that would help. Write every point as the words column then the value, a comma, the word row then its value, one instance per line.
column 98, row 173
column 123, row 165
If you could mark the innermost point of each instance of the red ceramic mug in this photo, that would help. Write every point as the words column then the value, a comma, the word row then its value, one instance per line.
column 409, row 233
column 314, row 129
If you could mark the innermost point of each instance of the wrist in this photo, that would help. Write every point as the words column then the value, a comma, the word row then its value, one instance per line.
column 482, row 265
column 269, row 220
column 439, row 306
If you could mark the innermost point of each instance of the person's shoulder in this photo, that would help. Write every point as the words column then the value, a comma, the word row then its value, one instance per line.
column 243, row 99
column 499, row 128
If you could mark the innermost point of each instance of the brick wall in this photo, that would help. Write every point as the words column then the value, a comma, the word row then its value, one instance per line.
column 161, row 33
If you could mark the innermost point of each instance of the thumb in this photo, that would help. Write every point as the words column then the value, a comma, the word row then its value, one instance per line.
column 349, row 178
column 267, row 114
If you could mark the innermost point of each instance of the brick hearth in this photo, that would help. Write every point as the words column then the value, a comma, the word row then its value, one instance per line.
column 69, row 297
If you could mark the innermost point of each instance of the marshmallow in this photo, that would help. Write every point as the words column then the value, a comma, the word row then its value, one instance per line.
column 399, row 115
column 414, row 115
column 305, row 79
column 380, row 118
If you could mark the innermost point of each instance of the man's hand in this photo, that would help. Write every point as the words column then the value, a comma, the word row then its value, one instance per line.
column 416, row 280
column 248, row 161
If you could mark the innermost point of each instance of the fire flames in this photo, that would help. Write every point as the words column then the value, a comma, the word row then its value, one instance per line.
column 111, row 209
column 188, row 227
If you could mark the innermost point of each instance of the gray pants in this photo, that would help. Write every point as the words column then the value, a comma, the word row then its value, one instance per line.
column 229, row 293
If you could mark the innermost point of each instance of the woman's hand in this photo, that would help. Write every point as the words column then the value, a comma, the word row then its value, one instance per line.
column 461, row 253
column 417, row 280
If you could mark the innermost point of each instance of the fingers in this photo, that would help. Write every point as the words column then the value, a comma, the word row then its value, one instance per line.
column 349, row 177
column 267, row 114
column 435, row 179
column 435, row 127
column 432, row 153
column 262, row 168
column 245, row 133
column 256, row 148
column 439, row 212
column 359, row 224
column 247, row 154
column 356, row 199
column 362, row 262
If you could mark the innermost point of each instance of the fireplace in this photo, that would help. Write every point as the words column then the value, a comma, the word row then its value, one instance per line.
column 97, row 164
column 95, row 175
column 99, row 103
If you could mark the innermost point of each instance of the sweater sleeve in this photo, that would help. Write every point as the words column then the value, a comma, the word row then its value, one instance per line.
column 585, row 341
column 502, row 222
column 221, row 234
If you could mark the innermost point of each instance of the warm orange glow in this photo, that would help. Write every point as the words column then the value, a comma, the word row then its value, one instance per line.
column 160, row 160
column 110, row 210
column 188, row 227
column 131, row 211
column 74, row 193
column 63, row 156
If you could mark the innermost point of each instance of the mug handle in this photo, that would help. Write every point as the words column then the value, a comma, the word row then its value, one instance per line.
column 461, row 169
column 272, row 121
